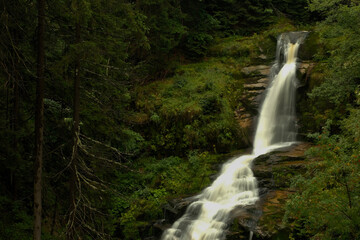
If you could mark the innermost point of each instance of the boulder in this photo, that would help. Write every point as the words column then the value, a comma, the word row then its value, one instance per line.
column 263, row 70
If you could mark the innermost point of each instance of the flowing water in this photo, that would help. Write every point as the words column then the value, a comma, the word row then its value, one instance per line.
column 207, row 218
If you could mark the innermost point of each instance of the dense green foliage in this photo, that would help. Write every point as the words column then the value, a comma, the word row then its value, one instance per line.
column 160, row 81
column 326, row 205
column 201, row 96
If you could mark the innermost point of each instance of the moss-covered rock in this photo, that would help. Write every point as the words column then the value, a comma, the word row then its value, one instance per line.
column 310, row 47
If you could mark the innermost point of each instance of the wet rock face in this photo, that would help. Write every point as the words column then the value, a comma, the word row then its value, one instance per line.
column 274, row 172
column 255, row 82
column 295, row 36
column 262, row 70
column 304, row 71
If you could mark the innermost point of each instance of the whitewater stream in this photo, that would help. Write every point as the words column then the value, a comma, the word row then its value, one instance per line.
column 207, row 218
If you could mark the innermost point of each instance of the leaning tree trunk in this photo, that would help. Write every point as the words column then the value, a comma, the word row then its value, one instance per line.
column 14, row 125
column 39, row 121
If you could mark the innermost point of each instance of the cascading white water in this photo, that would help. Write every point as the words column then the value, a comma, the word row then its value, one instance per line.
column 277, row 116
column 236, row 186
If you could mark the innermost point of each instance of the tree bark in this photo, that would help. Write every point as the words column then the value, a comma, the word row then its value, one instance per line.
column 39, row 121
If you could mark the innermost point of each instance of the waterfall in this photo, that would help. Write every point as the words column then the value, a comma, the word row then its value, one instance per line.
column 207, row 218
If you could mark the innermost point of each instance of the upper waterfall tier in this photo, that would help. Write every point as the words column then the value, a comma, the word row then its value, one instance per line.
column 277, row 120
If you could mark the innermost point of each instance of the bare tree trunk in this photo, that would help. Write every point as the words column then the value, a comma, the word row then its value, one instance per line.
column 77, row 86
column 15, row 127
column 74, row 183
column 39, row 121
column 7, row 107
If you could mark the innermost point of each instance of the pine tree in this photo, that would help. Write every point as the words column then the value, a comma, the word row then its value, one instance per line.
column 39, row 121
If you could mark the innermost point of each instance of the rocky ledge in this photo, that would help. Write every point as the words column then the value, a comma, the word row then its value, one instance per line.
column 255, row 82
column 274, row 172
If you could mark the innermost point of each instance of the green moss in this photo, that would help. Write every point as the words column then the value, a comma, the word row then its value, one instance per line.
column 311, row 47
column 282, row 176
column 235, row 46
column 317, row 76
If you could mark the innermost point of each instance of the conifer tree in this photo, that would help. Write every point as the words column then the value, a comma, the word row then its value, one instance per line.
column 39, row 121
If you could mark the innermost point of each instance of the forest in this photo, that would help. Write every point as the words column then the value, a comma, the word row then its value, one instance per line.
column 111, row 109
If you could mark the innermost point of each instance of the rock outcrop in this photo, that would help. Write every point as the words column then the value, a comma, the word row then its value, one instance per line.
column 274, row 172
column 255, row 82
